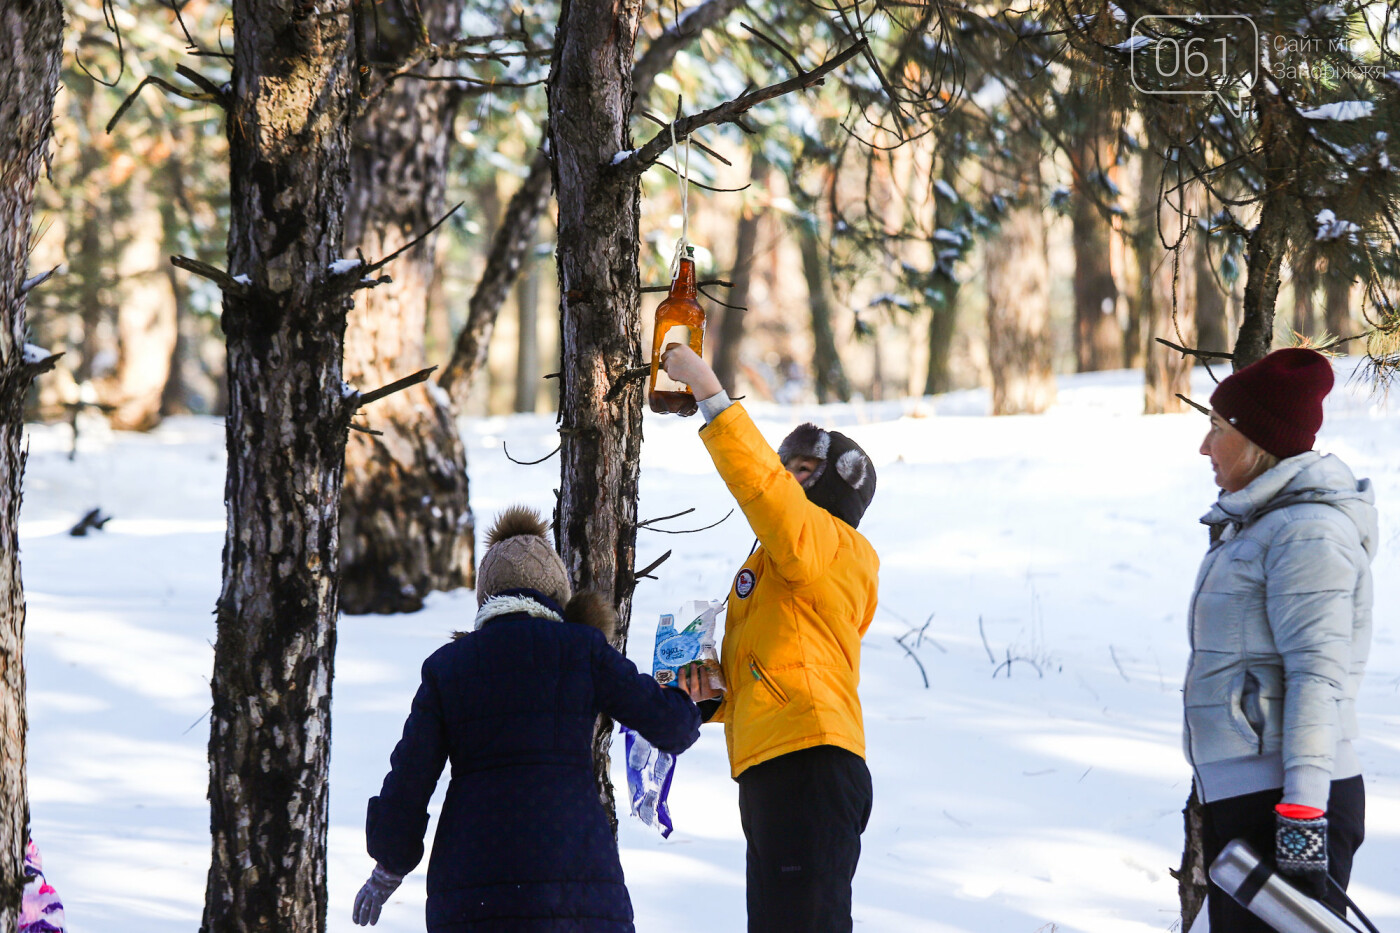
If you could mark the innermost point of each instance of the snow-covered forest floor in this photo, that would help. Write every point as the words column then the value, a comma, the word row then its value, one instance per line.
column 1045, row 796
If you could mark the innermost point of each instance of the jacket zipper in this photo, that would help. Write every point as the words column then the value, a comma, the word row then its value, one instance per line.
column 760, row 675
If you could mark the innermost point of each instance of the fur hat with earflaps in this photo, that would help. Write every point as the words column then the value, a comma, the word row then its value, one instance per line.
column 519, row 556
column 845, row 490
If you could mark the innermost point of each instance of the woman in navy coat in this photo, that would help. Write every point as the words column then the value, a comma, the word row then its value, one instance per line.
column 523, row 843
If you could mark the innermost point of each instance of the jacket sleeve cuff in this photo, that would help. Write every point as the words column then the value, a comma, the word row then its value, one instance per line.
column 712, row 406
column 1307, row 785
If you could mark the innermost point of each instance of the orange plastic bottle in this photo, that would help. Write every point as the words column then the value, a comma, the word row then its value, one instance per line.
column 679, row 319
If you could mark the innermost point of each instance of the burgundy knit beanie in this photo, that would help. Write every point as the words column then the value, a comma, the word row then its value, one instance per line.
column 1277, row 401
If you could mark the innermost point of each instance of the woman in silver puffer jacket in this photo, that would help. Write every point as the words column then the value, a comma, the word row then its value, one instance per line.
column 1280, row 627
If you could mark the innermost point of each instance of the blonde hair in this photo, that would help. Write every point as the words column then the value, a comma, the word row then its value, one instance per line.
column 1263, row 461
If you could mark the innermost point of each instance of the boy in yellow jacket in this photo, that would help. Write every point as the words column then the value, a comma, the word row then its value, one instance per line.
column 791, row 658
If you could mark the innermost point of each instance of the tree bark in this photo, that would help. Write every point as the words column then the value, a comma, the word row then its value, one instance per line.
column 731, row 325
column 943, row 318
column 1170, row 302
column 1211, row 311
column 406, row 526
column 590, row 92
column 1304, row 307
column 527, row 353
column 1020, row 347
column 146, row 315
column 1337, row 307
column 1098, row 337
column 590, row 98
column 290, row 110
column 1269, row 238
column 31, row 37
column 828, row 374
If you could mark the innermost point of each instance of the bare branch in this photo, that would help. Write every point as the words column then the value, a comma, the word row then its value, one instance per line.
column 376, row 266
column 363, row 430
column 397, row 385
column 694, row 142
column 645, row 572
column 202, row 97
column 213, row 273
column 701, row 184
column 35, row 281
column 683, row 531
column 640, row 159
column 663, row 518
column 39, row 367
column 1200, row 354
column 1196, row 405
column 666, row 288
column 635, row 374
column 773, row 44
column 506, row 450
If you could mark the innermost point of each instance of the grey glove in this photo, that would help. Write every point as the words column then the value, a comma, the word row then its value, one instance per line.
column 1300, row 851
column 370, row 901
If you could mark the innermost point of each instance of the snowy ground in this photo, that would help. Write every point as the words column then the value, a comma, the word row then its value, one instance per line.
column 1037, row 800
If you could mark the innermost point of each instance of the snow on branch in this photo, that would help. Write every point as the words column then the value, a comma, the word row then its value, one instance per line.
column 730, row 111
column 236, row 285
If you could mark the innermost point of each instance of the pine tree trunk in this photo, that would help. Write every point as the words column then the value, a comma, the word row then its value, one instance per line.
column 406, row 526
column 509, row 245
column 944, row 317
column 1171, row 306
column 146, row 316
column 1098, row 337
column 1337, row 307
column 590, row 99
column 527, row 353
column 1211, row 310
column 31, row 37
column 731, row 325
column 827, row 372
column 1304, row 307
column 1020, row 346
column 1269, row 238
column 269, row 744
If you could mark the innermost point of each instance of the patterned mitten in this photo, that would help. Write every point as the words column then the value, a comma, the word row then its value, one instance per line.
column 370, row 901
column 1300, row 847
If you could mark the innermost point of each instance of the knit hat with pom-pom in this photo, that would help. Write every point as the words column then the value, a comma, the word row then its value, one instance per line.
column 1276, row 402
column 520, row 557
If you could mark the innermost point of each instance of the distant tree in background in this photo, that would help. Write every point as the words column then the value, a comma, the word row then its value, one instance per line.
column 406, row 525
column 31, row 35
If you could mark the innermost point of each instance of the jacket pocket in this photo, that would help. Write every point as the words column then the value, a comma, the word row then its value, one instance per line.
column 762, row 676
column 1252, row 706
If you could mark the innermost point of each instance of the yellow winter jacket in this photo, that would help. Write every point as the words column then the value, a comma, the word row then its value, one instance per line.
column 797, row 609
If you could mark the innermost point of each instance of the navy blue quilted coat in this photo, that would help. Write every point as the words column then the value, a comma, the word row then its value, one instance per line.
column 523, row 843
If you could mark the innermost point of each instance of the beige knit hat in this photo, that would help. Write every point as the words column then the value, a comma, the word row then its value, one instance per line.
column 519, row 556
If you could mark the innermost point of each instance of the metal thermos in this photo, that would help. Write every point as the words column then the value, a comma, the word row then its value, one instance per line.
column 1257, row 886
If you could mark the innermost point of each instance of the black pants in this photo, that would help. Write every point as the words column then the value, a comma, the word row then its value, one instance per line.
column 803, row 814
column 1251, row 817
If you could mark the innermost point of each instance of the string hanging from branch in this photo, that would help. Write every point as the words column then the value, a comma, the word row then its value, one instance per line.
column 683, row 173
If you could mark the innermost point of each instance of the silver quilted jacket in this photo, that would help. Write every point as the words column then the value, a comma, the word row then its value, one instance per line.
column 1280, row 626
